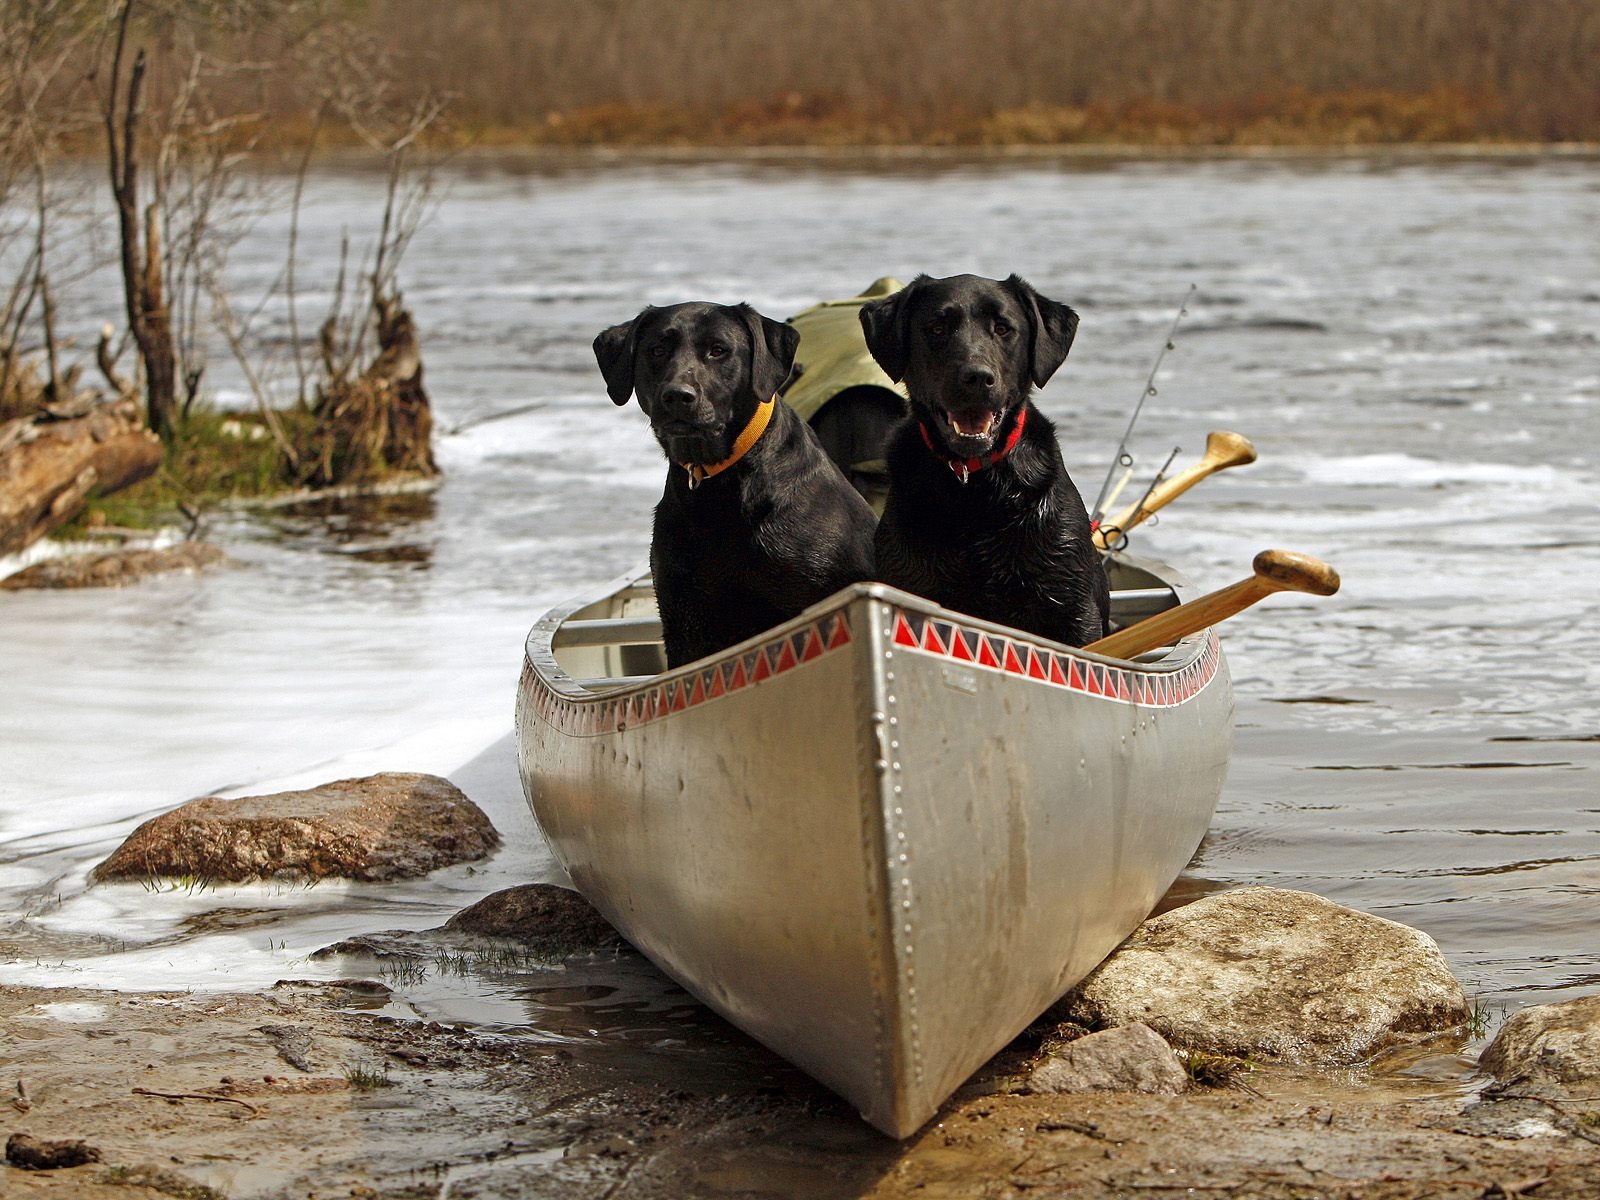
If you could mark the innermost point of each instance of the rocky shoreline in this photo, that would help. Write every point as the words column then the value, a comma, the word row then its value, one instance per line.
column 1258, row 1042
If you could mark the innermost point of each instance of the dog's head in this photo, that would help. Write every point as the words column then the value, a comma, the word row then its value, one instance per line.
column 699, row 370
column 970, row 351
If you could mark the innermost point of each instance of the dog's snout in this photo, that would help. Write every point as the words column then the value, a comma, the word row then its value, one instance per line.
column 678, row 395
column 976, row 376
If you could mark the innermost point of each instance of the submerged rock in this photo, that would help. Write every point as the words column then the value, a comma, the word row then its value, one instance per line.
column 1129, row 1058
column 114, row 568
column 390, row 826
column 546, row 923
column 549, row 919
column 1548, row 1043
column 1274, row 972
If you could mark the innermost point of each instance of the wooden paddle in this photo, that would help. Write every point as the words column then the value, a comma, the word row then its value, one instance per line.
column 1275, row 571
column 1223, row 450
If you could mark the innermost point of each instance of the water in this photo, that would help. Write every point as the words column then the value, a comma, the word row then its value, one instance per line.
column 1413, row 348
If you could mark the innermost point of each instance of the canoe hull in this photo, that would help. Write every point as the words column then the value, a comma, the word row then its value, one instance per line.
column 883, row 838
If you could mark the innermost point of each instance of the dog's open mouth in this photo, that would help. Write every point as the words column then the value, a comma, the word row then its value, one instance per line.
column 969, row 429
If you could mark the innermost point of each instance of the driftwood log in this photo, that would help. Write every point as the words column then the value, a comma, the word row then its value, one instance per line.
column 49, row 466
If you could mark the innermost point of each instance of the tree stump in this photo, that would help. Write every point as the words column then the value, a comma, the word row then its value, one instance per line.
column 379, row 421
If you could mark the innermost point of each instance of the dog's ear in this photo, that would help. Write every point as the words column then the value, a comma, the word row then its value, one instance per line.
column 613, row 350
column 772, row 347
column 1053, row 326
column 886, row 323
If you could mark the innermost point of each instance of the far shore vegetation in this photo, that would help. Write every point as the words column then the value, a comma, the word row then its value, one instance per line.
column 990, row 72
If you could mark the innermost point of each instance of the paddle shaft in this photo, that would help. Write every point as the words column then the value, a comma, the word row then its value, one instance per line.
column 1275, row 571
column 1223, row 450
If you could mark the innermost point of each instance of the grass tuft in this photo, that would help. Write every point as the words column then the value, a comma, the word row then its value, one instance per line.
column 364, row 1079
column 1482, row 1018
column 1216, row 1070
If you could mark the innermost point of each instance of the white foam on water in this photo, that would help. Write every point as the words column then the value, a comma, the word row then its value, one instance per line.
column 1405, row 470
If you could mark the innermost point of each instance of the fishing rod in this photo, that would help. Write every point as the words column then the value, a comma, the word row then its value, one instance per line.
column 1223, row 450
column 1115, row 536
column 1123, row 458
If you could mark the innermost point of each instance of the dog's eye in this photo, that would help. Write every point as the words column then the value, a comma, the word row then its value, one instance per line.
column 657, row 352
column 716, row 350
column 1002, row 329
column 938, row 329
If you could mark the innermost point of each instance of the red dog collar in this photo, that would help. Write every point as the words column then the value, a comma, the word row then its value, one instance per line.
column 964, row 467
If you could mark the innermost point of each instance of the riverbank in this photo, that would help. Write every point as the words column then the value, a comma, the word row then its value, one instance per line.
column 333, row 1089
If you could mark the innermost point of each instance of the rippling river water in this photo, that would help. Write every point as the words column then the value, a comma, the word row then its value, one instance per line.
column 1414, row 348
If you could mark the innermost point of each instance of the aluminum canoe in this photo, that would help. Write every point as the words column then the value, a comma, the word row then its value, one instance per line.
column 883, row 837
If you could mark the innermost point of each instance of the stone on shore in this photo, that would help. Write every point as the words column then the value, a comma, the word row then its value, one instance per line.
column 33, row 1154
column 113, row 568
column 1548, row 1043
column 389, row 826
column 1268, row 971
column 1129, row 1058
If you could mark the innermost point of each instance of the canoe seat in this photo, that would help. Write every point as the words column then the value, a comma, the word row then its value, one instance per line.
column 1134, row 604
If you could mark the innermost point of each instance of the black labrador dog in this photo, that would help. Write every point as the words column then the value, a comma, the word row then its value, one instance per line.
column 756, row 523
column 982, row 517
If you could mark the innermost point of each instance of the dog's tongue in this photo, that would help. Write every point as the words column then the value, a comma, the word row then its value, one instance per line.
column 973, row 424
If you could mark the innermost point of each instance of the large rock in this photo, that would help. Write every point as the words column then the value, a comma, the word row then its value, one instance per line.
column 1557, row 1043
column 1130, row 1058
column 389, row 826
column 1274, row 972
column 113, row 568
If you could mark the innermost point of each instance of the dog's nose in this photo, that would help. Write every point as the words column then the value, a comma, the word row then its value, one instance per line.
column 677, row 395
column 980, row 377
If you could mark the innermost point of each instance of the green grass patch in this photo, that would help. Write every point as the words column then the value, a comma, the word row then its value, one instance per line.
column 213, row 457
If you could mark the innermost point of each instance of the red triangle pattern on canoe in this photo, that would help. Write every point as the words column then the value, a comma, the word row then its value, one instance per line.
column 902, row 632
column 813, row 645
column 1149, row 689
column 605, row 715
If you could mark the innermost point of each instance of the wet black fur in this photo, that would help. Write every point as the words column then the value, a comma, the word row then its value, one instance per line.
column 1013, row 543
column 771, row 535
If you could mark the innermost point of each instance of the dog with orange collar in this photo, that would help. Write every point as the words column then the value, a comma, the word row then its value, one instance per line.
column 756, row 523
column 982, row 516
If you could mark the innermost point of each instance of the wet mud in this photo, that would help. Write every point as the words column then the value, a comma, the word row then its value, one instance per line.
column 330, row 1090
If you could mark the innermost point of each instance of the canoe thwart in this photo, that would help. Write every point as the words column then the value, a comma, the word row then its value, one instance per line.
column 608, row 631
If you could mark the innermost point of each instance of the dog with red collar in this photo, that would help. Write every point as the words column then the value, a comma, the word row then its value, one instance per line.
column 755, row 523
column 982, row 516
